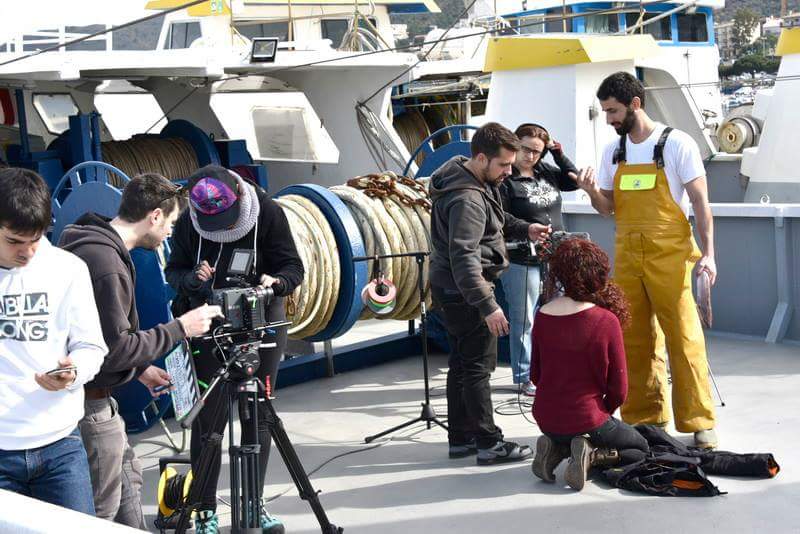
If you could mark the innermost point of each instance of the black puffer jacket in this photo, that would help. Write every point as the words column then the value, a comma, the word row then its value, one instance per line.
column 675, row 470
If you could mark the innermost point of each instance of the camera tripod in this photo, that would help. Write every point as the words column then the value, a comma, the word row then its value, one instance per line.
column 428, row 414
column 237, row 384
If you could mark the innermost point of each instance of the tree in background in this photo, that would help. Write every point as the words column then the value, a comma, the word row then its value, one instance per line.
column 752, row 64
column 744, row 23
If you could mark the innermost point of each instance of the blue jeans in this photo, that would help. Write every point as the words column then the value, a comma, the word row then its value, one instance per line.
column 57, row 473
column 521, row 287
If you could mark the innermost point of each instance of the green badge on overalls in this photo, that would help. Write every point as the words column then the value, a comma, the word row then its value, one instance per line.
column 637, row 182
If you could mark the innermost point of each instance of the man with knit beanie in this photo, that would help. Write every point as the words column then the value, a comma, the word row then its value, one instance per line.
column 227, row 213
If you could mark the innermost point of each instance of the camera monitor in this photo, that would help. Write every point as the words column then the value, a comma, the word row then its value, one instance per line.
column 241, row 262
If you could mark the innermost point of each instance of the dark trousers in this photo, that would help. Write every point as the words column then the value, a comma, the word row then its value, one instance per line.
column 613, row 434
column 206, row 365
column 473, row 357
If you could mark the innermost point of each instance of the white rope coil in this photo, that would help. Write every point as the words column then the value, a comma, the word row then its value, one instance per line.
column 393, row 217
column 314, row 300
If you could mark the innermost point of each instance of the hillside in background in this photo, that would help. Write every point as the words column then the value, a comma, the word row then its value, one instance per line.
column 762, row 7
column 420, row 24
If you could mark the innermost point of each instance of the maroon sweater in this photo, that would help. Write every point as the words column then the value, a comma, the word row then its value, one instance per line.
column 578, row 366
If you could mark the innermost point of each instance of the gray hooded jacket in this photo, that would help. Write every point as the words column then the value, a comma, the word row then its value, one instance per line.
column 130, row 350
column 467, row 228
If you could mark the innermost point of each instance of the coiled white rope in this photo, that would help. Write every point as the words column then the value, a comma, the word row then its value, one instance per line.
column 393, row 216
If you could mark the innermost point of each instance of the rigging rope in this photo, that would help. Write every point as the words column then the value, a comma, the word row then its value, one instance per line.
column 170, row 157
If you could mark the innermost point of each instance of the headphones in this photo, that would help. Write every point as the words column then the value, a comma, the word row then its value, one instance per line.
column 545, row 150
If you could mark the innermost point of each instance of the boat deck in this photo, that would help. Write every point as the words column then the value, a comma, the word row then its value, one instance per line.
column 406, row 483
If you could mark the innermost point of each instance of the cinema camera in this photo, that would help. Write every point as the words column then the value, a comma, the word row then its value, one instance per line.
column 241, row 332
column 245, row 306
column 545, row 249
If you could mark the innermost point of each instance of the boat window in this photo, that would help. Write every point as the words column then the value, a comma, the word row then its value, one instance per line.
column 54, row 110
column 601, row 24
column 334, row 29
column 276, row 125
column 556, row 22
column 692, row 28
column 283, row 133
column 96, row 43
column 128, row 110
column 529, row 24
column 182, row 34
column 661, row 30
column 265, row 29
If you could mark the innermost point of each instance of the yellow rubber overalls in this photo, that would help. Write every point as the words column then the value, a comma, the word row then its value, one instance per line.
column 655, row 254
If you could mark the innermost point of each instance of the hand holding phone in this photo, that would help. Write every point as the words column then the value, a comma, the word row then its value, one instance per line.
column 60, row 370
column 59, row 378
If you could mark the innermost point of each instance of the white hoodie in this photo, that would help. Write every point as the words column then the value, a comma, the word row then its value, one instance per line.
column 47, row 311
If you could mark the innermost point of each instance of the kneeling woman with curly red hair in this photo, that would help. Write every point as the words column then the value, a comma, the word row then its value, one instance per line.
column 578, row 367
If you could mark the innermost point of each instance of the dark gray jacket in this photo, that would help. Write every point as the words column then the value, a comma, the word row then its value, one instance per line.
column 467, row 227
column 130, row 350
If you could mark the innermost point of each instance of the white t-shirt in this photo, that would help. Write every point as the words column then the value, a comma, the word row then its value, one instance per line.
column 682, row 161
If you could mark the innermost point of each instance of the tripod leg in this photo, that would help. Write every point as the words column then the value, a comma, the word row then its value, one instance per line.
column 295, row 468
column 211, row 449
column 246, row 461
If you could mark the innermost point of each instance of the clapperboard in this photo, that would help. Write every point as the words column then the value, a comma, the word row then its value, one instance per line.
column 180, row 367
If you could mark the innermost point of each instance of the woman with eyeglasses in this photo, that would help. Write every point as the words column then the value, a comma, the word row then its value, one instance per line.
column 532, row 193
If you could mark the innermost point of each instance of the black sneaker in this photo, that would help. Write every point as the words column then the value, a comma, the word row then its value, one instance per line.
column 463, row 450
column 502, row 452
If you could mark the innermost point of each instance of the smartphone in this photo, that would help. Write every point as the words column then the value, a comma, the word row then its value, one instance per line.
column 61, row 370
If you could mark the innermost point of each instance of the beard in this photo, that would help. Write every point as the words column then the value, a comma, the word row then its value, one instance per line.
column 627, row 123
column 149, row 242
column 492, row 180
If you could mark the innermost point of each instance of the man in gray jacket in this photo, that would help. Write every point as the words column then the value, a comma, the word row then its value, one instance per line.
column 149, row 207
column 469, row 254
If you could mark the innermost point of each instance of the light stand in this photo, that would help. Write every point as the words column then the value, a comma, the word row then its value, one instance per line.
column 428, row 414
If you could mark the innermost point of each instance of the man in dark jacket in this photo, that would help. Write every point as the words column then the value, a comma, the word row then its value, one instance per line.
column 469, row 254
column 149, row 207
column 227, row 213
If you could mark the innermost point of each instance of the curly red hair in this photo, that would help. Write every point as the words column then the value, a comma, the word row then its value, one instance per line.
column 582, row 270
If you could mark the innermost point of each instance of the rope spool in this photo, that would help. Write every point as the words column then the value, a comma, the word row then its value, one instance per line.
column 316, row 297
column 171, row 157
column 412, row 129
column 391, row 214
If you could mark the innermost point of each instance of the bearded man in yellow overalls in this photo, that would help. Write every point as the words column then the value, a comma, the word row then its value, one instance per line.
column 647, row 180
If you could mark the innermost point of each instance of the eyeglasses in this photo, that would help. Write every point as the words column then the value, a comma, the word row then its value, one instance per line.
column 532, row 152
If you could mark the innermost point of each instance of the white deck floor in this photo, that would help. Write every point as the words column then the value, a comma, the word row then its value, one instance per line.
column 409, row 485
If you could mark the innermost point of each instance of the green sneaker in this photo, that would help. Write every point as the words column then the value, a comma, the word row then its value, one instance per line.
column 206, row 522
column 270, row 524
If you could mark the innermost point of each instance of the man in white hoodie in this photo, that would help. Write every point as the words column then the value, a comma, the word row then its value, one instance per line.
column 51, row 344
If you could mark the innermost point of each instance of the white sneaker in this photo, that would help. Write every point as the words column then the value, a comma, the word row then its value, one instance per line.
column 706, row 439
column 528, row 389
